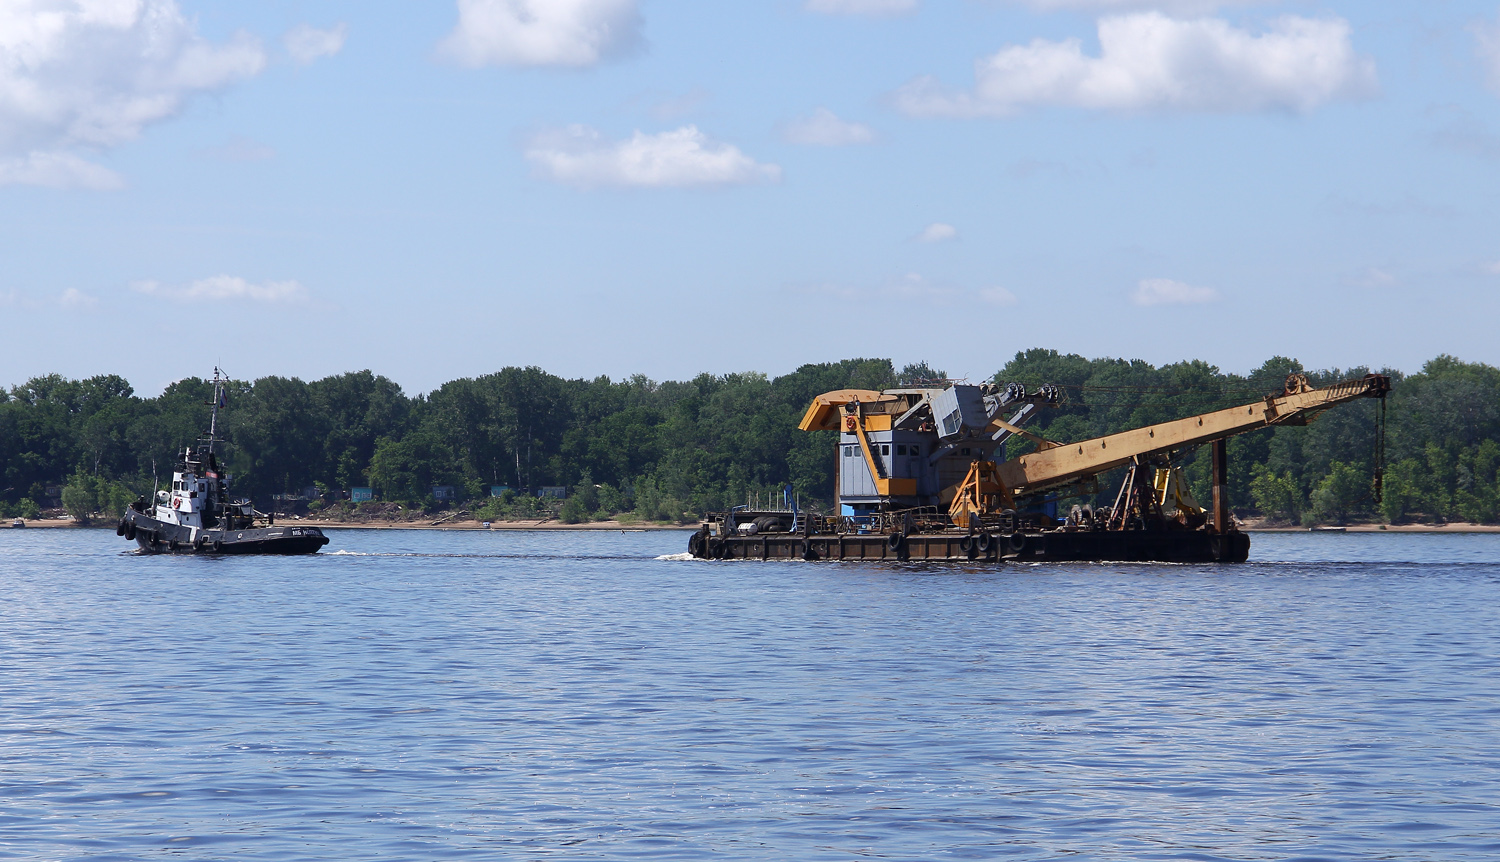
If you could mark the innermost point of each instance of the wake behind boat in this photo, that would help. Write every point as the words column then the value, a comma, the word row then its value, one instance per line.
column 197, row 517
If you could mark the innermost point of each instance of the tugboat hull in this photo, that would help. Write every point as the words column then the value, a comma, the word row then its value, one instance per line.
column 157, row 537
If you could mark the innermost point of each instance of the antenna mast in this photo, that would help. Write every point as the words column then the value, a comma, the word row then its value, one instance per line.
column 213, row 422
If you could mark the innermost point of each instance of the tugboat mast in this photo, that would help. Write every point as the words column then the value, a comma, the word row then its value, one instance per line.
column 213, row 421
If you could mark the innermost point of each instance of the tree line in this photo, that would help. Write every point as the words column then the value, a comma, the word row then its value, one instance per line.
column 671, row 450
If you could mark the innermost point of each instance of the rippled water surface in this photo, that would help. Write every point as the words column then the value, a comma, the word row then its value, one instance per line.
column 445, row 695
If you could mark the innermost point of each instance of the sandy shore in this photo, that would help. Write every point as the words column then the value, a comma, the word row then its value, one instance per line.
column 1453, row 527
column 1247, row 526
column 46, row 523
column 639, row 527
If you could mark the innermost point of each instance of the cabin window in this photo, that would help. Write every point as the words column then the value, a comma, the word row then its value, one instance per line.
column 885, row 449
column 848, row 451
column 900, row 448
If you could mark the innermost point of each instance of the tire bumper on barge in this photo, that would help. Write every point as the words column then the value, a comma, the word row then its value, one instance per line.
column 1167, row 546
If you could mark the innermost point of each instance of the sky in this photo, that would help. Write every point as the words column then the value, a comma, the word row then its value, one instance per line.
column 666, row 187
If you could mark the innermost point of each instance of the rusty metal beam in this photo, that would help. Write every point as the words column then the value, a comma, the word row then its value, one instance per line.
column 1039, row 471
column 1220, row 456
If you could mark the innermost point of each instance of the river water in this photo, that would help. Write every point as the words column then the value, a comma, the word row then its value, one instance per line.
column 545, row 695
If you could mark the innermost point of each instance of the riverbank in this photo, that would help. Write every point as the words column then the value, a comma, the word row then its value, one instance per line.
column 641, row 526
column 1451, row 527
column 553, row 524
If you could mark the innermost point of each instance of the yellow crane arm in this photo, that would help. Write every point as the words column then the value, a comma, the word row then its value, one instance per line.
column 1070, row 462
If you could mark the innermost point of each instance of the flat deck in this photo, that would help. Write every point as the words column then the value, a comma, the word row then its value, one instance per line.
column 1169, row 546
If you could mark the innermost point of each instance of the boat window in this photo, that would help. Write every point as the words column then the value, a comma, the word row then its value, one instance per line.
column 885, row 449
column 848, row 451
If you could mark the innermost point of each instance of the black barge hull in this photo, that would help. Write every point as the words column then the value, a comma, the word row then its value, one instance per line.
column 156, row 537
column 1167, row 546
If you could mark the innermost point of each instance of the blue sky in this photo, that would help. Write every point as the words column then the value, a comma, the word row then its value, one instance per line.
column 665, row 187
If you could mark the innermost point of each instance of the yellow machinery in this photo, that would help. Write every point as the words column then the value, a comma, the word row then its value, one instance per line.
column 922, row 474
column 990, row 485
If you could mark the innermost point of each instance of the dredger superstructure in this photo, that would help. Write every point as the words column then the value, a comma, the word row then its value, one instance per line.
column 922, row 475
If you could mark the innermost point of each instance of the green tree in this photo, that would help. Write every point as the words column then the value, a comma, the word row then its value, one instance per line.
column 573, row 511
column 1276, row 496
column 1404, row 490
column 1339, row 492
column 80, row 497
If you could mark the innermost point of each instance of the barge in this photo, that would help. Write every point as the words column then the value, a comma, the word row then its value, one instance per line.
column 922, row 475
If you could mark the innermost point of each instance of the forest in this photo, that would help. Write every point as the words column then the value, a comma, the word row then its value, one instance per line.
column 669, row 451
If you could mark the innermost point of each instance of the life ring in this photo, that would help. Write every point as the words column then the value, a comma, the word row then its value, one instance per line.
column 983, row 542
column 1017, row 542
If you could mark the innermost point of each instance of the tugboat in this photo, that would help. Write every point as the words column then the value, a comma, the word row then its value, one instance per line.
column 197, row 516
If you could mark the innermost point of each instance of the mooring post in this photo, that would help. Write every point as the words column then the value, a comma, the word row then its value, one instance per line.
column 1220, row 449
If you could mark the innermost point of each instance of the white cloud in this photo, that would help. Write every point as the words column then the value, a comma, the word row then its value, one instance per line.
column 1164, row 291
column 306, row 43
column 75, row 300
column 580, row 156
column 1487, row 33
column 91, row 74
column 242, row 149
column 225, row 287
column 997, row 296
column 676, row 107
column 1149, row 61
column 542, row 32
column 1371, row 277
column 823, row 128
column 913, row 287
column 938, row 232
column 916, row 286
column 59, row 170
column 861, row 7
column 1175, row 7
column 900, row 7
